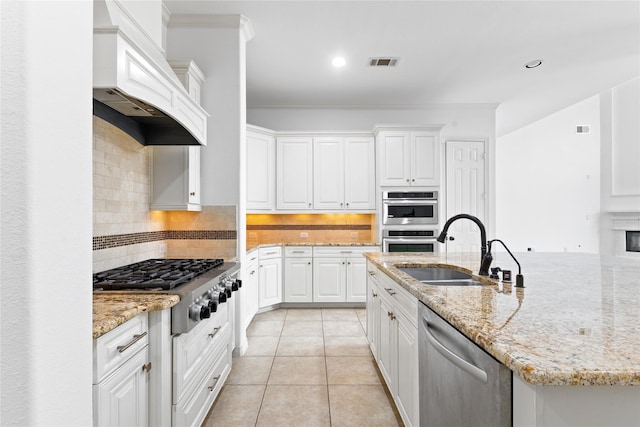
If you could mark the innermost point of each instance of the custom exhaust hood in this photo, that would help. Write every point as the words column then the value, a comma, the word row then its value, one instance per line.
column 134, row 87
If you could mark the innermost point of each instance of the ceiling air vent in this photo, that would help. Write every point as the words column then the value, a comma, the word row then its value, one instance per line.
column 383, row 62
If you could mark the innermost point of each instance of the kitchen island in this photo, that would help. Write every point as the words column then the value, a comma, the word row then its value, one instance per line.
column 574, row 324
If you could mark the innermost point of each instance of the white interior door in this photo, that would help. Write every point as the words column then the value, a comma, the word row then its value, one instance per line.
column 465, row 188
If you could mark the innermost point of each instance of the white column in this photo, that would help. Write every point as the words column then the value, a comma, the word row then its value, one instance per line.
column 46, row 213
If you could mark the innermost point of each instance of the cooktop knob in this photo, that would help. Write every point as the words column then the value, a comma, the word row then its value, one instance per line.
column 213, row 307
column 205, row 312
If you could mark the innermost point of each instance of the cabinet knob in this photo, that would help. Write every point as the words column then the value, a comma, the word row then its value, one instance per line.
column 146, row 367
column 192, row 194
column 309, row 263
column 309, row 204
column 347, row 204
column 413, row 180
column 407, row 179
column 374, row 294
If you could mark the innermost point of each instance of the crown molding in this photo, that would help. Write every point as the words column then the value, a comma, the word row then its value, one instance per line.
column 239, row 22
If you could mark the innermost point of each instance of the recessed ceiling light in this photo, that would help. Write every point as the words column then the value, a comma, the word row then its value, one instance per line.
column 338, row 61
column 533, row 64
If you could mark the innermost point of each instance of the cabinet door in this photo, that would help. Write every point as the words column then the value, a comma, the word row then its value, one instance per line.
column 386, row 345
column 356, row 279
column 425, row 158
column 373, row 316
column 294, row 168
column 175, row 178
column 298, row 280
column 329, row 279
column 261, row 174
column 394, row 158
column 359, row 173
column 194, row 175
column 328, row 173
column 250, row 292
column 122, row 399
column 270, row 282
column 407, row 396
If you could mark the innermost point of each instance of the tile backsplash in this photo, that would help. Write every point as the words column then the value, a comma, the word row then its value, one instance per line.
column 309, row 228
column 125, row 231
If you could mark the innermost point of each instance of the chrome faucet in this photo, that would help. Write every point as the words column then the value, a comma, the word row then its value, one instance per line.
column 484, row 265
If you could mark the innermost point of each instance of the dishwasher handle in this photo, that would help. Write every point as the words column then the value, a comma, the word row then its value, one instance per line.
column 472, row 370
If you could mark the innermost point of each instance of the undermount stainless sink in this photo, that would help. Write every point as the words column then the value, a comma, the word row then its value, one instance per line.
column 440, row 276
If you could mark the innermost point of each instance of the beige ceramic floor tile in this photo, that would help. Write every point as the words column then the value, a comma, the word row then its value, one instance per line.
column 298, row 370
column 351, row 370
column 262, row 346
column 298, row 405
column 362, row 314
column 227, row 412
column 347, row 314
column 296, row 328
column 346, row 346
column 304, row 314
column 300, row 346
column 360, row 405
column 250, row 370
column 342, row 329
column 278, row 314
column 265, row 328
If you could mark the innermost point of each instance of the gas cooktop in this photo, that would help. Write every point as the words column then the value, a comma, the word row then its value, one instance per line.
column 154, row 274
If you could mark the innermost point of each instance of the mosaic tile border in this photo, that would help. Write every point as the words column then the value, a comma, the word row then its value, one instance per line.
column 308, row 227
column 117, row 240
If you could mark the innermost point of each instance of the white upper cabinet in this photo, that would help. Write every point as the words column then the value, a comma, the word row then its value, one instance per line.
column 344, row 173
column 261, row 169
column 175, row 177
column 175, row 170
column 409, row 157
column 328, row 173
column 294, row 171
column 359, row 173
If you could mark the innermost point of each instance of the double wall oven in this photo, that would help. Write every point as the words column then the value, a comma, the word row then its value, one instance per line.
column 409, row 221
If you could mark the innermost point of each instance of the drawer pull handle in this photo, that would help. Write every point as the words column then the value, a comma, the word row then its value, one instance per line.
column 374, row 294
column 146, row 367
column 215, row 381
column 390, row 291
column 297, row 252
column 215, row 331
column 136, row 338
column 271, row 253
column 346, row 252
column 252, row 272
column 372, row 273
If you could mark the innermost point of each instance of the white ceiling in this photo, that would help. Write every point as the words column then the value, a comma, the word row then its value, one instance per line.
column 451, row 52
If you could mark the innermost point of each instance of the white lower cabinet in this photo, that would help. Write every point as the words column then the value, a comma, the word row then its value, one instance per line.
column 121, row 375
column 339, row 273
column 298, row 274
column 201, row 365
column 270, row 276
column 392, row 331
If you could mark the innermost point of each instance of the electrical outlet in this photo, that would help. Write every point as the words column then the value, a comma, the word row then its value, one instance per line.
column 304, row 234
column 354, row 234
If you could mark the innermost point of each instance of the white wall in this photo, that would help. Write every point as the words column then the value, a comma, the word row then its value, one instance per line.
column 548, row 183
column 45, row 243
column 459, row 121
column 620, row 164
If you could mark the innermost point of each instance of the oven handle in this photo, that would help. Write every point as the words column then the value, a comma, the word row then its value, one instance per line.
column 409, row 202
column 401, row 240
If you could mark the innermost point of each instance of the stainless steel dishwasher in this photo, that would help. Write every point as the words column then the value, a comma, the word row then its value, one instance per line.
column 460, row 384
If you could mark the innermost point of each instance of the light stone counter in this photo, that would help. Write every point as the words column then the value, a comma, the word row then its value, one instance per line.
column 266, row 245
column 576, row 322
column 112, row 309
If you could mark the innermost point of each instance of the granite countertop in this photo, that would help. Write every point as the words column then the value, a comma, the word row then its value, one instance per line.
column 574, row 323
column 266, row 245
column 112, row 309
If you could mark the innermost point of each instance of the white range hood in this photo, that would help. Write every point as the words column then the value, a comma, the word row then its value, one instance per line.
column 134, row 86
